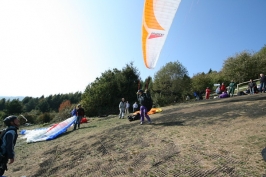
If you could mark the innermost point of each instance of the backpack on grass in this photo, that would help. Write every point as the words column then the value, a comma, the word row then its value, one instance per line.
column 134, row 117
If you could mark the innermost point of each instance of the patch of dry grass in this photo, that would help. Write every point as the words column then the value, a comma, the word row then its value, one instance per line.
column 202, row 139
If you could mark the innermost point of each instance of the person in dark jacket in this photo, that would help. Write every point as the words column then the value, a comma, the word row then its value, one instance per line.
column 251, row 86
column 262, row 83
column 143, row 109
column 80, row 115
column 7, row 154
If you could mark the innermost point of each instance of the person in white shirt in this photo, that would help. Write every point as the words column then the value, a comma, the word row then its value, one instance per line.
column 122, row 108
column 127, row 107
column 135, row 107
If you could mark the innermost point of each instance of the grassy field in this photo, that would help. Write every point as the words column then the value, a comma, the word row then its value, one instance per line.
column 209, row 138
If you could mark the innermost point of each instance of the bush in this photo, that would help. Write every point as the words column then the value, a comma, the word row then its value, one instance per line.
column 163, row 100
column 45, row 118
column 64, row 114
column 31, row 118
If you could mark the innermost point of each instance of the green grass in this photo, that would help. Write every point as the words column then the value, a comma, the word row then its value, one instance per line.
column 213, row 140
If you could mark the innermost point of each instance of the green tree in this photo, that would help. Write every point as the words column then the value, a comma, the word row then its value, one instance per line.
column 14, row 107
column 45, row 118
column 241, row 67
column 260, row 59
column 201, row 81
column 30, row 105
column 43, row 106
column 169, row 83
column 2, row 104
column 104, row 94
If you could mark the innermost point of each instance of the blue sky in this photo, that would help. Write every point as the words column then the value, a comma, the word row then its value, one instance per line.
column 60, row 46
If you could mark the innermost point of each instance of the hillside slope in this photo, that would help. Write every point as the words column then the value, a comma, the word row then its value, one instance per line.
column 222, row 137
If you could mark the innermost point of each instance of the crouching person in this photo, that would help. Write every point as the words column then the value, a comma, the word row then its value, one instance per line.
column 8, row 140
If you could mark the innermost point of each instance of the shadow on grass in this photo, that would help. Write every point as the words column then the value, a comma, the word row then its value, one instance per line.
column 91, row 126
column 174, row 123
column 252, row 107
column 237, row 99
column 128, row 146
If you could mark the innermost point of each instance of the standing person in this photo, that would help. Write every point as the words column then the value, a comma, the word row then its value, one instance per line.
column 262, row 83
column 196, row 94
column 143, row 110
column 231, row 88
column 135, row 107
column 122, row 108
column 127, row 107
column 9, row 139
column 251, row 86
column 208, row 92
column 80, row 115
column 74, row 111
column 149, row 102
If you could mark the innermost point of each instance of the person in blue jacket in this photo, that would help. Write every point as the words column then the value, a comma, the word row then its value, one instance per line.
column 9, row 138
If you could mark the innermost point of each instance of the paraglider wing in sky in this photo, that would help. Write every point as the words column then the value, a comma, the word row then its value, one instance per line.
column 157, row 19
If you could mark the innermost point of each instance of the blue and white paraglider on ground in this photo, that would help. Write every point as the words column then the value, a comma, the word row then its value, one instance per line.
column 49, row 133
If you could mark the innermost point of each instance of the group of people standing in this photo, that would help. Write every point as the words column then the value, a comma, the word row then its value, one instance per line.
column 124, row 107
column 252, row 86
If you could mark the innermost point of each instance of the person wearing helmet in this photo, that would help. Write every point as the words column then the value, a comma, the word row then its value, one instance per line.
column 9, row 138
column 80, row 114
column 143, row 110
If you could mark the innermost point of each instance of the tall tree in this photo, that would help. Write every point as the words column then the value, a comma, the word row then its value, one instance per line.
column 240, row 68
column 169, row 82
column 2, row 104
column 14, row 107
column 200, row 81
column 43, row 106
column 104, row 94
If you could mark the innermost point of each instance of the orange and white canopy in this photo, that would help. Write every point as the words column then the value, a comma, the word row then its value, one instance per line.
column 157, row 19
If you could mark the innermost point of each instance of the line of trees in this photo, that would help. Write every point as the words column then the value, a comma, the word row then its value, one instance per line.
column 171, row 84
column 40, row 109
